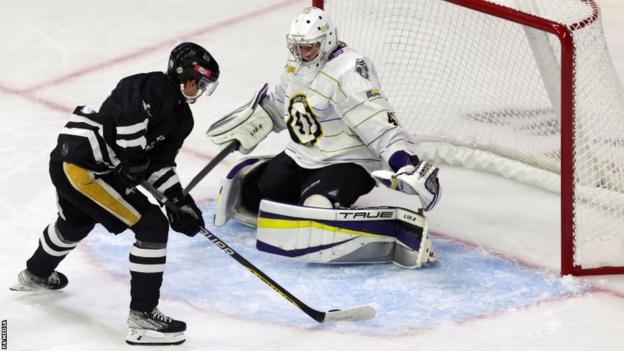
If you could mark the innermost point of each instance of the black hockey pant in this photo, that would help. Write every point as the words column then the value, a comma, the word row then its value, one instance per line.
column 283, row 180
column 85, row 199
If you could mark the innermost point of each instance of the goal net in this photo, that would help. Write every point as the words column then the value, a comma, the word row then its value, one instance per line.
column 522, row 88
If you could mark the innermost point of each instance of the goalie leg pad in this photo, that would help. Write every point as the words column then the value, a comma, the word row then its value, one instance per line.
column 321, row 235
column 405, row 257
column 229, row 201
column 414, row 248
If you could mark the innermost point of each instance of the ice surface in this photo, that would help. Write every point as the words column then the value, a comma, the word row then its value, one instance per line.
column 467, row 283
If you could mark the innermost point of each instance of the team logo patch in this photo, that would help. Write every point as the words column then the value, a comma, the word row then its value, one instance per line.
column 65, row 149
column 147, row 107
column 373, row 93
column 302, row 123
column 361, row 68
column 153, row 143
column 202, row 70
column 337, row 51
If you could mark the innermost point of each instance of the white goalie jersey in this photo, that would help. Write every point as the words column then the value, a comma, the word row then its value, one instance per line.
column 338, row 114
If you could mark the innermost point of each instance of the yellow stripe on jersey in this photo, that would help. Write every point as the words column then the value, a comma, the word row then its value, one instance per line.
column 334, row 135
column 272, row 223
column 321, row 94
column 369, row 117
column 101, row 193
column 360, row 104
column 346, row 132
column 336, row 81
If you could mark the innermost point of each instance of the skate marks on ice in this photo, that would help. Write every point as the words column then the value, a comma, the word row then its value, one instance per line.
column 465, row 284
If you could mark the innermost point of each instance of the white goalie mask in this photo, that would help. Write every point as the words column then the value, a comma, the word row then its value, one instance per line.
column 312, row 37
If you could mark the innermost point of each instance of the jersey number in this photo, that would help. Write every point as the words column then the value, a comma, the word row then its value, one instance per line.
column 303, row 126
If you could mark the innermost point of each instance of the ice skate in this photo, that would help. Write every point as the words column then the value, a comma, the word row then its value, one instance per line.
column 27, row 281
column 154, row 328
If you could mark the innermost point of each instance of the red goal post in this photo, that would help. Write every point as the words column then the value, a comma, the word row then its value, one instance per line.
column 548, row 104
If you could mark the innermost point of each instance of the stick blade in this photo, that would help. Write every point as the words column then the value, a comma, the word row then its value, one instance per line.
column 361, row 313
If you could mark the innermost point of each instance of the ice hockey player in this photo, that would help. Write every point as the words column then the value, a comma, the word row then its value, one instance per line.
column 342, row 128
column 99, row 159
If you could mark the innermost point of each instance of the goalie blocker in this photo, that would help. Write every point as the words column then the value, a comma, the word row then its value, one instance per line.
column 364, row 235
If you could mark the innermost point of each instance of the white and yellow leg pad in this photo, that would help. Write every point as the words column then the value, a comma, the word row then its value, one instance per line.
column 364, row 235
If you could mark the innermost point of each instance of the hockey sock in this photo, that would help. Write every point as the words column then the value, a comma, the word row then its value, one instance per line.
column 147, row 263
column 52, row 249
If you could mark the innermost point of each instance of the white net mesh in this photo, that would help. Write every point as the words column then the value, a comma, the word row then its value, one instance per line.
column 485, row 92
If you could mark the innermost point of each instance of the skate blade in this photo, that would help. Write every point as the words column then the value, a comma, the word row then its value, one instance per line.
column 151, row 337
column 26, row 287
column 22, row 287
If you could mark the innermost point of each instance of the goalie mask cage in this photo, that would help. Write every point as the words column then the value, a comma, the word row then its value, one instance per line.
column 523, row 88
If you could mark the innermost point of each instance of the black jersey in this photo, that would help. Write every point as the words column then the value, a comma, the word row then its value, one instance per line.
column 145, row 117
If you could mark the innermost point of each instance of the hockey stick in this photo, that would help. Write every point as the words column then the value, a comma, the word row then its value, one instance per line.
column 335, row 315
column 231, row 147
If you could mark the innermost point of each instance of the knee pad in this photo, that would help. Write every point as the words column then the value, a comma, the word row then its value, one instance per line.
column 317, row 200
column 152, row 227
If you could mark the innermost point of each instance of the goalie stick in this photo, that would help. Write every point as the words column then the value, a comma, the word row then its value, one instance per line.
column 231, row 147
column 334, row 315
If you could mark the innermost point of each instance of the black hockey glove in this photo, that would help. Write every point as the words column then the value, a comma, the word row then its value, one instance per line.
column 188, row 218
column 133, row 173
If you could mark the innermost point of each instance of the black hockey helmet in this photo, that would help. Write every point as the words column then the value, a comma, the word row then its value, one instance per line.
column 191, row 61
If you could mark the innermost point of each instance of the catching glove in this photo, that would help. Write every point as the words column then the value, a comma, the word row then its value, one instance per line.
column 417, row 178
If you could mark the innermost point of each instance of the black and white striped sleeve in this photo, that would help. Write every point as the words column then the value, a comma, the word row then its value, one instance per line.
column 166, row 180
column 131, row 137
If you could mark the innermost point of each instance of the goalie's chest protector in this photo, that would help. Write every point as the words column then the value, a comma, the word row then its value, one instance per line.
column 315, row 118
